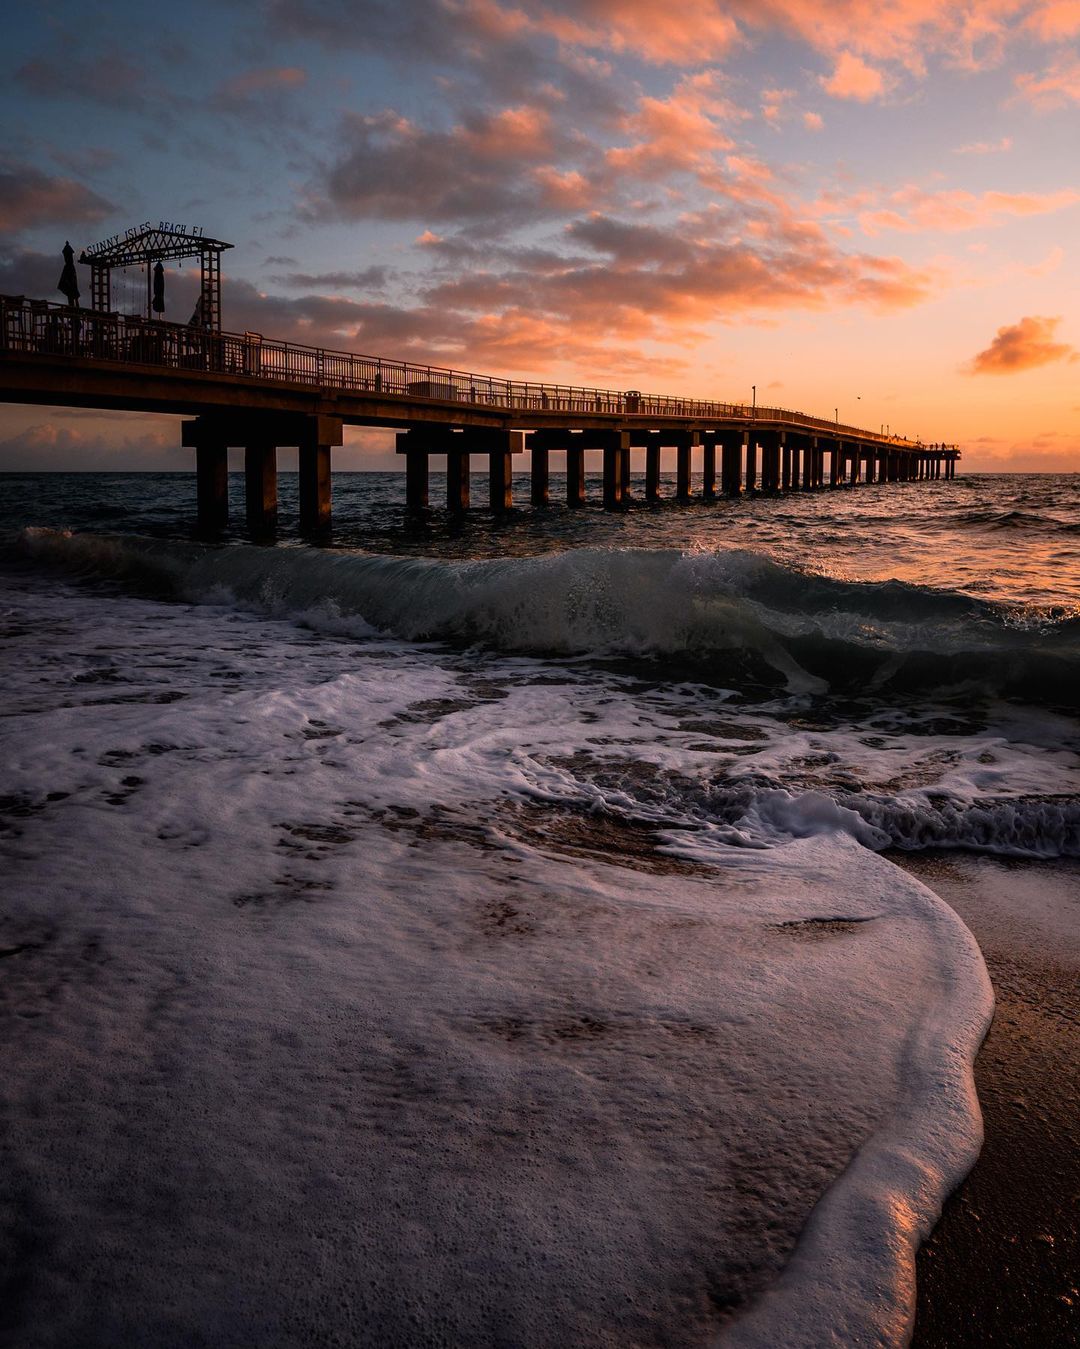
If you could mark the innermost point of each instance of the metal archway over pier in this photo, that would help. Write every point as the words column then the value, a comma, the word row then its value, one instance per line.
column 145, row 245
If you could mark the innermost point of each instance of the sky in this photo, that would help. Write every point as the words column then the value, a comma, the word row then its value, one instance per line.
column 864, row 208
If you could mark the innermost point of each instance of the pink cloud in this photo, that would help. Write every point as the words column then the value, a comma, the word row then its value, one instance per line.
column 1056, row 87
column 985, row 147
column 813, row 121
column 1055, row 20
column 912, row 210
column 853, row 78
column 263, row 81
column 693, row 32
column 1023, row 346
column 683, row 131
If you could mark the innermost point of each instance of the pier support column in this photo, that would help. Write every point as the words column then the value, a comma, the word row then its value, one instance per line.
column 260, row 486
column 856, row 465
column 541, row 477
column 613, row 477
column 211, row 445
column 751, row 462
column 416, row 480
column 500, row 481
column 682, row 472
column 625, row 471
column 836, row 455
column 317, row 441
column 575, row 477
column 652, row 473
column 731, row 464
column 458, row 487
column 212, row 485
column 314, row 486
column 785, row 469
column 808, row 465
column 708, row 470
column 770, row 461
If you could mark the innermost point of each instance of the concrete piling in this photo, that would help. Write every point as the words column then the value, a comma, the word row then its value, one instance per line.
column 260, row 486
column 540, row 482
column 708, row 469
column 652, row 473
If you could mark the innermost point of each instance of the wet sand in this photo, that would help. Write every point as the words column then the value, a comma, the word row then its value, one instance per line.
column 1002, row 1268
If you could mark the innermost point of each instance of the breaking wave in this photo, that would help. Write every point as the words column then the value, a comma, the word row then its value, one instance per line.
column 734, row 614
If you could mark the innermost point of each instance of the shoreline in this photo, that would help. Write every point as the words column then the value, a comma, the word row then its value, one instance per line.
column 1002, row 1266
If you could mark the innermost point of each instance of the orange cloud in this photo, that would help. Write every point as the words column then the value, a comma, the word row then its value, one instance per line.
column 566, row 190
column 853, row 78
column 914, row 210
column 682, row 131
column 1056, row 87
column 813, row 121
column 1055, row 20
column 1023, row 346
column 693, row 32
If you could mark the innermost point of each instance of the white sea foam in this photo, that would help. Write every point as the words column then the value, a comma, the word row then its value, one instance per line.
column 341, row 1020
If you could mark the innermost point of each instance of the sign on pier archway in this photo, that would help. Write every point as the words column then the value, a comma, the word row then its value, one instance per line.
column 145, row 245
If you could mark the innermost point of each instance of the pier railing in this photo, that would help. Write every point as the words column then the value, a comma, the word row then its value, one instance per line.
column 38, row 326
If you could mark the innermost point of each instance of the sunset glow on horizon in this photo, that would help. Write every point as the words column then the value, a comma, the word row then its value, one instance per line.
column 861, row 209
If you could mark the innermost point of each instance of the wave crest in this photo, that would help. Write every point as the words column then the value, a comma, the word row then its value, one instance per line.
column 738, row 613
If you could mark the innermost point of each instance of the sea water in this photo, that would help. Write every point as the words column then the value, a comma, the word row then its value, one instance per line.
column 476, row 931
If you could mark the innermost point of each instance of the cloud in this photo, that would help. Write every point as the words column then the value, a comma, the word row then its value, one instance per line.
column 110, row 79
column 394, row 169
column 694, row 32
column 985, row 147
column 1057, row 87
column 259, row 81
column 1054, row 20
column 29, row 198
column 369, row 278
column 682, row 132
column 58, row 446
column 853, row 78
column 913, row 210
column 813, row 121
column 253, row 89
column 1023, row 346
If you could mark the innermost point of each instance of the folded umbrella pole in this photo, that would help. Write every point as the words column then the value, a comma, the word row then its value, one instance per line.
column 68, row 285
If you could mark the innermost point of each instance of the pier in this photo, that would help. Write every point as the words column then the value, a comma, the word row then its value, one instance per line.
column 262, row 394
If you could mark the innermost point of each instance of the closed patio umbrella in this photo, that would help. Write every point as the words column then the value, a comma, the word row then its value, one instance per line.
column 158, row 303
column 68, row 285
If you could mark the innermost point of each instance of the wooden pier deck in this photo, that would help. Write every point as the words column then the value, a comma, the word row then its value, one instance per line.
column 242, row 389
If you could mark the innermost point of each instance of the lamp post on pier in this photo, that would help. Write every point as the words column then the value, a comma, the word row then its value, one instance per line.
column 753, row 408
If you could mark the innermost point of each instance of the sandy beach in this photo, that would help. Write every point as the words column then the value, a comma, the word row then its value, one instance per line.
column 1002, row 1268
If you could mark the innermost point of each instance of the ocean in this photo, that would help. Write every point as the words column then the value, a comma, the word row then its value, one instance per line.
column 488, row 930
